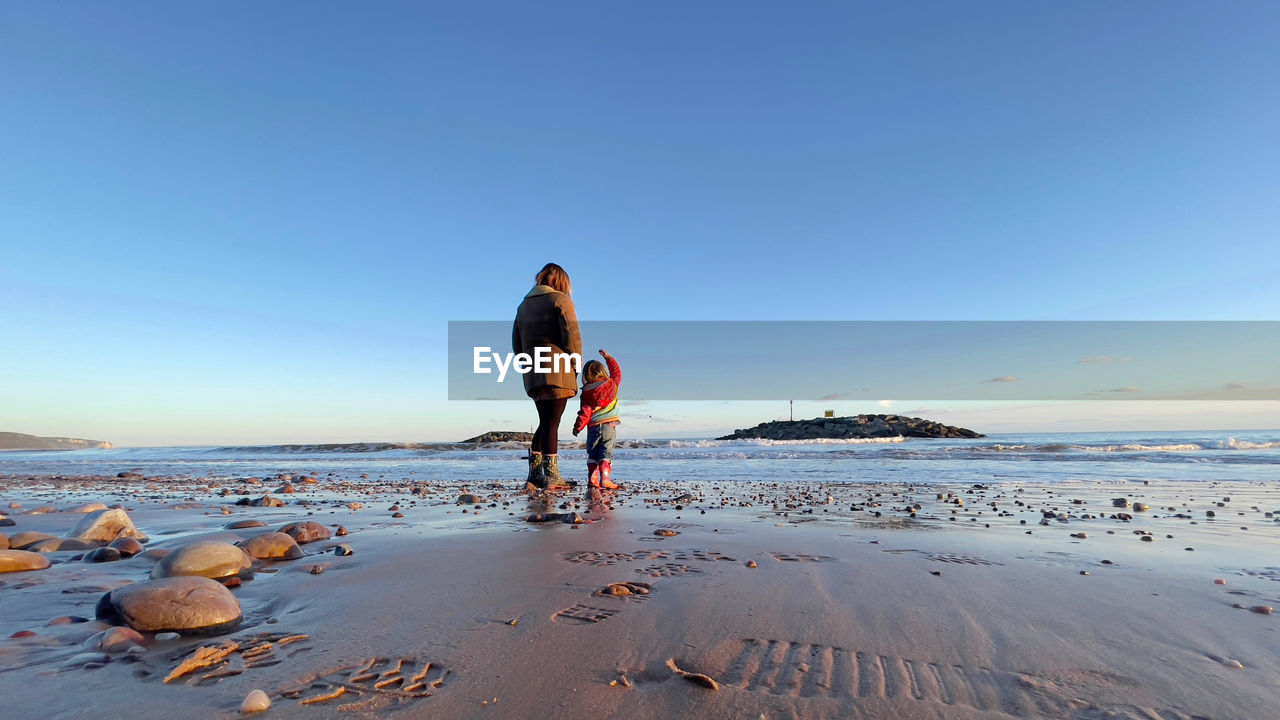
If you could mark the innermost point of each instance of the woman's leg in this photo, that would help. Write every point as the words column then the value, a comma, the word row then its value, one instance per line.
column 549, row 412
column 547, row 438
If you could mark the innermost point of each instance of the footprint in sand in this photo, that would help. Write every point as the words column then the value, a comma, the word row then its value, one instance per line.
column 959, row 559
column 667, row 570
column 211, row 664
column 808, row 670
column 372, row 685
column 702, row 555
column 800, row 557
column 585, row 614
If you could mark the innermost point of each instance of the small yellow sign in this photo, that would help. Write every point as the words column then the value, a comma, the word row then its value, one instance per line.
column 828, row 413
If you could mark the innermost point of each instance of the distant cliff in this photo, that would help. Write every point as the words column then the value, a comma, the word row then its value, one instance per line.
column 501, row 436
column 858, row 426
column 21, row 441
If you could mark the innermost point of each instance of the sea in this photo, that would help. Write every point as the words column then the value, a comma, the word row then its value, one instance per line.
column 1251, row 456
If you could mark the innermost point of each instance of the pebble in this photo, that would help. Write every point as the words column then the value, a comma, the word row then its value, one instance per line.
column 343, row 550
column 663, row 532
column 255, row 701
column 271, row 546
column 317, row 569
column 245, row 524
column 305, row 532
column 20, row 560
column 186, row 603
column 105, row 526
column 1084, row 572
column 1219, row 581
column 752, row 564
column 118, row 639
column 205, row 558
column 127, row 546
column 1262, row 609
column 101, row 555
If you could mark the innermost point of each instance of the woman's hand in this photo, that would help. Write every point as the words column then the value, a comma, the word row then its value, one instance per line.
column 604, row 354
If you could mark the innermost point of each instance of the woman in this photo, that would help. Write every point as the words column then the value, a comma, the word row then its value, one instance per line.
column 546, row 319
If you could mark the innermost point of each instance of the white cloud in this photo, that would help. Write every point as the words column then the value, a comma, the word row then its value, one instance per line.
column 1001, row 379
column 1126, row 389
column 1234, row 386
column 885, row 403
column 832, row 396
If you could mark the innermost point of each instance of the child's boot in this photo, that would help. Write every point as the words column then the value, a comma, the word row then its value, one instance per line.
column 537, row 474
column 551, row 467
column 593, row 474
column 606, row 469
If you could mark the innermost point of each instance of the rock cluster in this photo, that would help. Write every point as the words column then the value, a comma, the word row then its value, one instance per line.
column 854, row 427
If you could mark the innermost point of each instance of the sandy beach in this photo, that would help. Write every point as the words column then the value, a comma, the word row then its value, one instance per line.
column 1005, row 600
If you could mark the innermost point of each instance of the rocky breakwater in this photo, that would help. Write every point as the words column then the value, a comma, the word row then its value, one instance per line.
column 850, row 428
column 495, row 436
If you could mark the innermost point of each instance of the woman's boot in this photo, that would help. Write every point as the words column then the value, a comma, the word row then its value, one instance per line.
column 551, row 467
column 537, row 481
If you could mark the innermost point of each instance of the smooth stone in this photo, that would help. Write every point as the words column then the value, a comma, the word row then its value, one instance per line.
column 119, row 639
column 20, row 560
column 4, row 541
column 662, row 532
column 128, row 546
column 7, row 521
column 343, row 550
column 245, row 524
column 21, row 540
column 60, row 544
column 105, row 526
column 101, row 555
column 187, row 604
column 206, row 558
column 467, row 499
column 305, row 532
column 167, row 636
column 88, row 508
column 1141, row 507
column 272, row 546
column 255, row 701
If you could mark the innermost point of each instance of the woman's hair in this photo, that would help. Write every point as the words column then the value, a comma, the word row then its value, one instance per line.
column 554, row 276
column 593, row 371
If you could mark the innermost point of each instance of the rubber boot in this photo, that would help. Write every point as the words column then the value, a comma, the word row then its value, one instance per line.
column 551, row 467
column 537, row 481
column 606, row 469
column 593, row 474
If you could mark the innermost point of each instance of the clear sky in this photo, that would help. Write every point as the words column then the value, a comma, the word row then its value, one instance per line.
column 251, row 222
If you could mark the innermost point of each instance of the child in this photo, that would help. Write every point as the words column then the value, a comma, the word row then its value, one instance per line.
column 599, row 414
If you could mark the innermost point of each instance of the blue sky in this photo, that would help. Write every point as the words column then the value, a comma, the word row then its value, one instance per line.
column 241, row 222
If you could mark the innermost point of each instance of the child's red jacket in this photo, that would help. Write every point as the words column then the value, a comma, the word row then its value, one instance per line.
column 600, row 399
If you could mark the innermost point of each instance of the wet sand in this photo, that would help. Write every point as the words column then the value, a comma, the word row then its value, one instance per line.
column 797, row 601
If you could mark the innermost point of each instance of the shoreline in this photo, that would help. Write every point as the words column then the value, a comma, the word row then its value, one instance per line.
column 845, row 613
